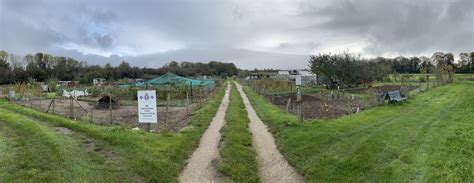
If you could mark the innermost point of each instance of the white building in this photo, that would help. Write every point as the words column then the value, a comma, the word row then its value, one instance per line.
column 307, row 77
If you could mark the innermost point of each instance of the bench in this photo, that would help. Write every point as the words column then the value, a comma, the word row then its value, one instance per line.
column 395, row 96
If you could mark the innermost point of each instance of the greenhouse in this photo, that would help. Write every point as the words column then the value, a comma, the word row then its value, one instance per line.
column 174, row 80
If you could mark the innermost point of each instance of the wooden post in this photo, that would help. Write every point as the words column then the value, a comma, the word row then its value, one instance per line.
column 187, row 103
column 148, row 125
column 299, row 101
column 80, row 105
column 49, row 106
column 288, row 105
column 92, row 115
column 31, row 101
column 191, row 86
column 110, row 109
column 72, row 103
column 427, row 82
column 54, row 104
column 201, row 96
column 71, row 110
column 167, row 108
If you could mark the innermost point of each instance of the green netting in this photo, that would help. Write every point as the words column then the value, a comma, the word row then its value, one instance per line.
column 175, row 80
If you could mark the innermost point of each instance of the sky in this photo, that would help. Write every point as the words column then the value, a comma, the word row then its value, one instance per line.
column 250, row 33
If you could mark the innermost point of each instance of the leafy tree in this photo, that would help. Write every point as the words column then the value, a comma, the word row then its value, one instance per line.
column 348, row 68
column 444, row 65
column 466, row 62
column 6, row 75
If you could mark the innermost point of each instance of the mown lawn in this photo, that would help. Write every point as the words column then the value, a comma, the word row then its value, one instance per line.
column 238, row 157
column 429, row 138
column 32, row 150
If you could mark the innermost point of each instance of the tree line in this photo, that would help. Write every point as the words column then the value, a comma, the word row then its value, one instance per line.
column 351, row 69
column 44, row 67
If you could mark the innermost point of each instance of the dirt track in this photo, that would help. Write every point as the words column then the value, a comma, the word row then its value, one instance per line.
column 200, row 166
column 273, row 167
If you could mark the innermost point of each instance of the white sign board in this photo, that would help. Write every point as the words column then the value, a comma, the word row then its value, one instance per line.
column 147, row 112
column 11, row 94
column 298, row 80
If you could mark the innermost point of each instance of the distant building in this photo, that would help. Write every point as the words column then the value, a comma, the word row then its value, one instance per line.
column 282, row 75
column 98, row 81
column 307, row 77
column 69, row 84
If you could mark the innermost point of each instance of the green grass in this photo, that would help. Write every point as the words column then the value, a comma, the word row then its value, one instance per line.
column 34, row 151
column 154, row 157
column 238, row 157
column 429, row 138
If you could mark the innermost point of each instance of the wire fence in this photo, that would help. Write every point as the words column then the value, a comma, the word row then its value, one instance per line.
column 173, row 112
column 319, row 102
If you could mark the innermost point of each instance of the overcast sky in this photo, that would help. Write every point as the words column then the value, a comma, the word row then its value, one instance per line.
column 249, row 33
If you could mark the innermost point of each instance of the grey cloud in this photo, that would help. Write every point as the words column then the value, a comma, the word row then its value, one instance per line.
column 103, row 41
column 243, row 58
column 213, row 29
column 403, row 26
column 246, row 59
column 104, row 17
column 19, row 36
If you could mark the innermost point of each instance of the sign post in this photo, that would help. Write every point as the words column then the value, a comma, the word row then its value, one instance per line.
column 147, row 112
column 299, row 100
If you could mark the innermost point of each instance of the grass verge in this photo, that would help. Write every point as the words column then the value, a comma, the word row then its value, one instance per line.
column 34, row 151
column 238, row 157
column 428, row 138
column 155, row 157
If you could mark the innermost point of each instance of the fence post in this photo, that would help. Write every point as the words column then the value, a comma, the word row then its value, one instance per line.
column 191, row 87
column 71, row 108
column 201, row 96
column 299, row 101
column 110, row 109
column 92, row 114
column 167, row 108
column 187, row 103
column 427, row 82
column 148, row 125
column 288, row 105
column 31, row 101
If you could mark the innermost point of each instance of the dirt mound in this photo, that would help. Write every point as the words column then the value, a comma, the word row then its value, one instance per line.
column 105, row 102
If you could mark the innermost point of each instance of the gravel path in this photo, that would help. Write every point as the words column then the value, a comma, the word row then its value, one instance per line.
column 273, row 167
column 200, row 166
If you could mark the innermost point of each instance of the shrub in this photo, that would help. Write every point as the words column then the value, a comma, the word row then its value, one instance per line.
column 422, row 79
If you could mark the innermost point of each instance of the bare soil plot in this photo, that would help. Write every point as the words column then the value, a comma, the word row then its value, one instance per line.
column 317, row 105
column 176, row 117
